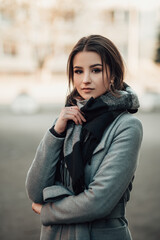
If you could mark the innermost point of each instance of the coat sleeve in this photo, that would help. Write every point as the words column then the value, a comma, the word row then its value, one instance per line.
column 108, row 185
column 42, row 170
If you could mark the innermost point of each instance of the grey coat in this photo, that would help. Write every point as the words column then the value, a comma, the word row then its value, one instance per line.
column 112, row 167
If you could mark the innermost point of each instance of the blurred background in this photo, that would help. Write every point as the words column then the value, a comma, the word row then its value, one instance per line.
column 36, row 38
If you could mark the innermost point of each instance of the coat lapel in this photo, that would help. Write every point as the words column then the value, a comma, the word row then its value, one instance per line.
column 102, row 143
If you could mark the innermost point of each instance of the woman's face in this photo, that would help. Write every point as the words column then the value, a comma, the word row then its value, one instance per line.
column 87, row 75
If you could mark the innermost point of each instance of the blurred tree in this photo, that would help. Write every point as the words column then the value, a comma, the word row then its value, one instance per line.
column 157, row 57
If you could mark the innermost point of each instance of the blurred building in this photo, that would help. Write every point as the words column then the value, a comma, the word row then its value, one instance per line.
column 38, row 35
column 34, row 33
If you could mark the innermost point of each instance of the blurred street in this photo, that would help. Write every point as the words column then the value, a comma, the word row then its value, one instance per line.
column 19, row 138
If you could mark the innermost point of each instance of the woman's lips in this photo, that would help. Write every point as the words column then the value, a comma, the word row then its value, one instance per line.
column 87, row 90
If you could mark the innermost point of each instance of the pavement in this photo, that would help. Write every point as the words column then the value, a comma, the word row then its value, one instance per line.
column 19, row 138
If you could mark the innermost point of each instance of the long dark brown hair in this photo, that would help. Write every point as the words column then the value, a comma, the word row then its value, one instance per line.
column 110, row 57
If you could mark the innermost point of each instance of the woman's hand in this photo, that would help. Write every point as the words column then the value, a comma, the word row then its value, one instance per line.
column 68, row 113
column 36, row 207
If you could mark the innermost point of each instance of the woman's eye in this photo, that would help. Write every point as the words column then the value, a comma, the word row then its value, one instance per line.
column 78, row 71
column 96, row 70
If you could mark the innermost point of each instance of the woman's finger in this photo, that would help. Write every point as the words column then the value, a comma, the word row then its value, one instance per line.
column 36, row 207
column 72, row 116
column 78, row 113
column 68, row 113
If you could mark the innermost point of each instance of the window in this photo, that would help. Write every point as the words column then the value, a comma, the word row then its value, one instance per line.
column 10, row 48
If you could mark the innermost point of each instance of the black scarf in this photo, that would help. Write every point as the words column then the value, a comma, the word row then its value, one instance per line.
column 81, row 140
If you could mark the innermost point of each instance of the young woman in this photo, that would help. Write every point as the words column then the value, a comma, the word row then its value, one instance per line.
column 81, row 177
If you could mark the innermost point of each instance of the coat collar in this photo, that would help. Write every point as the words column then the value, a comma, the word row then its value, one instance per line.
column 102, row 143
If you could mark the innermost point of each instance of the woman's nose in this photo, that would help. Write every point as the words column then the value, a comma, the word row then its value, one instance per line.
column 87, row 78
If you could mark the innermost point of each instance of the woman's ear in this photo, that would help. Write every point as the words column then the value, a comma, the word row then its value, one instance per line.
column 111, row 85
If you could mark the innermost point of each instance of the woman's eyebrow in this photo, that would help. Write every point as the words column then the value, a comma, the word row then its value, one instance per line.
column 97, row 64
column 94, row 65
column 77, row 67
